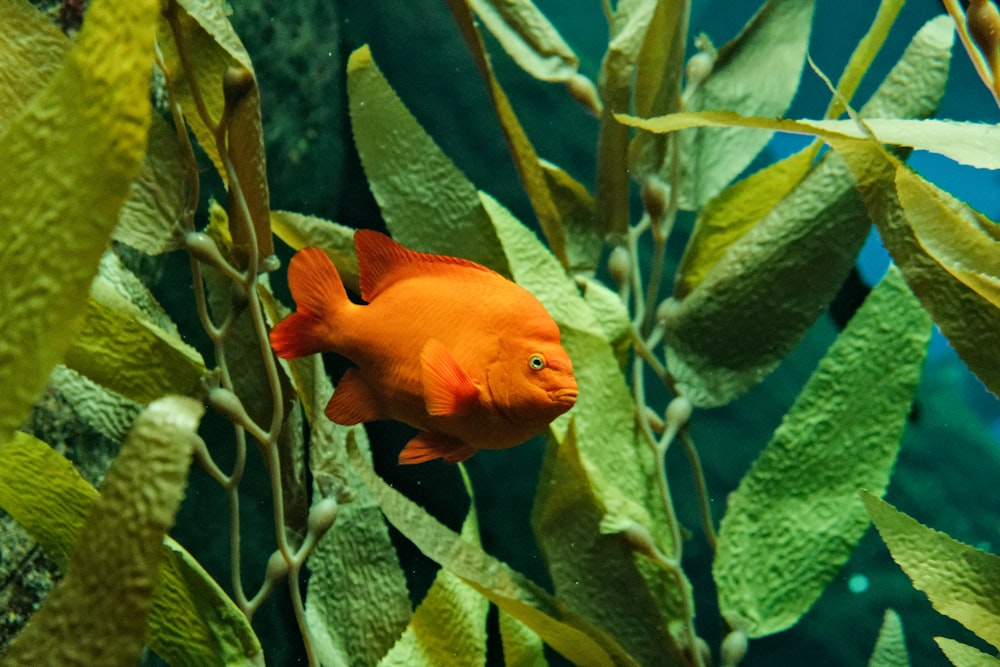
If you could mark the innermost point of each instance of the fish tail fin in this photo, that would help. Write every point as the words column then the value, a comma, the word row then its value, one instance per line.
column 319, row 294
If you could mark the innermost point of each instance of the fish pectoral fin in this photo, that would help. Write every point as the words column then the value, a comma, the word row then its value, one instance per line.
column 448, row 389
column 353, row 401
column 431, row 445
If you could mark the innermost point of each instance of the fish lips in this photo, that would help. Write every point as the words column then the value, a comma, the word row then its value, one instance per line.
column 565, row 396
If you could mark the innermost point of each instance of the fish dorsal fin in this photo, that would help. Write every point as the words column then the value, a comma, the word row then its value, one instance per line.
column 448, row 389
column 382, row 261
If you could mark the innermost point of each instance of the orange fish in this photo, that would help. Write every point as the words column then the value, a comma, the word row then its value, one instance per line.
column 446, row 345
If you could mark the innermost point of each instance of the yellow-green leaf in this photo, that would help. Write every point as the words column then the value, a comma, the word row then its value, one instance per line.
column 579, row 219
column 191, row 622
column 560, row 627
column 198, row 33
column 528, row 37
column 529, row 167
column 114, row 563
column 448, row 629
column 760, row 297
column 337, row 240
column 426, row 202
column 594, row 571
column 31, row 50
column 757, row 73
column 952, row 234
column 962, row 582
column 121, row 349
column 68, row 158
column 963, row 655
column 796, row 515
column 150, row 219
column 890, row 647
column 522, row 647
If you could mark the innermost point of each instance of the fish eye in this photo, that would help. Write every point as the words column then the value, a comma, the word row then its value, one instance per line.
column 536, row 362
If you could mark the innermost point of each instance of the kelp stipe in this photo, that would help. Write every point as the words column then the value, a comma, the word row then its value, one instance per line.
column 764, row 259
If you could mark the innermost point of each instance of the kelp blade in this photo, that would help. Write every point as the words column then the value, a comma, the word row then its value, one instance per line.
column 57, row 215
column 890, row 647
column 796, row 516
column 962, row 582
column 191, row 622
column 963, row 655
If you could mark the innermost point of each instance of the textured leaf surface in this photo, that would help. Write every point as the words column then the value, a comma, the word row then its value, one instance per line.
column 796, row 516
column 521, row 646
column 57, row 212
column 192, row 621
column 121, row 349
column 755, row 74
column 758, row 300
column 604, row 421
column 529, row 167
column 300, row 231
column 962, row 582
column 150, row 218
column 114, row 563
column 31, row 51
column 212, row 47
column 963, row 655
column 426, row 202
column 556, row 624
column 890, row 647
column 528, row 37
column 970, row 321
column 448, row 629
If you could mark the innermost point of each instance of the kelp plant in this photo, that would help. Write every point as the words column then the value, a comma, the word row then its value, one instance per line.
column 87, row 160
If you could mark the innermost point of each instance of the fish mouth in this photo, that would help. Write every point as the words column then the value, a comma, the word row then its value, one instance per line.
column 565, row 396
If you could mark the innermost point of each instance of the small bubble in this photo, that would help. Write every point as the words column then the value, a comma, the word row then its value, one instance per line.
column 858, row 583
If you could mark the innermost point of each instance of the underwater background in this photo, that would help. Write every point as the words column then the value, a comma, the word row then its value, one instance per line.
column 947, row 470
column 950, row 457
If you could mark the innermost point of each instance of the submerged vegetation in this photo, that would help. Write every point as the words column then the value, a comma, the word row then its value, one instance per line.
column 89, row 162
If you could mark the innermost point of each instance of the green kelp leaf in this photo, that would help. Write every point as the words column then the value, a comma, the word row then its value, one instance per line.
column 109, row 413
column 448, row 629
column 427, row 203
column 796, row 516
column 628, row 33
column 357, row 602
column 604, row 420
column 961, row 582
column 121, row 349
column 522, row 647
column 963, row 655
column 58, row 212
column 734, row 212
column 31, row 51
column 113, row 565
column 593, row 570
column 560, row 627
column 579, row 219
column 765, row 291
column 528, row 37
column 863, row 55
column 211, row 46
column 952, row 234
column 529, row 167
column 150, row 219
column 611, row 314
column 971, row 323
column 890, row 647
column 192, row 621
column 300, row 231
column 755, row 74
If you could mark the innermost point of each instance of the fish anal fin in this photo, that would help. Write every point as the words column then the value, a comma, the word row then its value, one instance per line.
column 448, row 388
column 431, row 445
column 353, row 401
column 382, row 261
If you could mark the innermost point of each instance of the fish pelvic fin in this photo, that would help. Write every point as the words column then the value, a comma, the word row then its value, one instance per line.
column 431, row 445
column 448, row 388
column 319, row 294
column 353, row 401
